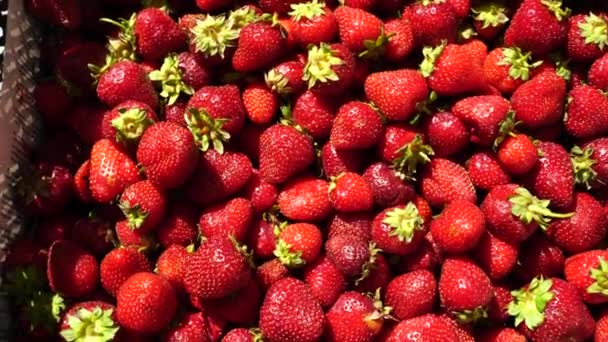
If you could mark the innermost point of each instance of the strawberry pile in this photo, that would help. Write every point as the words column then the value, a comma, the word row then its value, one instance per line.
column 295, row 171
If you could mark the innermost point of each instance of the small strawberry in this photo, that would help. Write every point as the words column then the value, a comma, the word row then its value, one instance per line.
column 587, row 271
column 271, row 272
column 554, row 167
column 459, row 227
column 427, row 327
column 127, row 122
column 191, row 327
column 356, row 126
column 89, row 320
column 314, row 23
column 349, row 253
column 447, row 134
column 284, row 152
column 314, row 113
column 125, row 81
column 111, row 171
column 355, row 317
column 46, row 189
column 412, row 294
column 444, row 181
column 587, row 112
column 484, row 116
column 485, row 171
column 298, row 244
column 329, row 69
column 260, row 45
column 335, row 161
column 496, row 257
column 432, row 21
column 262, row 239
column 261, row 104
column 260, row 193
column 305, row 199
column 179, row 225
column 490, row 18
column 396, row 93
column 144, row 205
column 538, row 256
column 508, row 68
column 230, row 218
column 361, row 31
column 157, row 34
column 401, row 42
column 147, row 290
column 350, row 192
column 590, row 164
column 119, row 264
column 587, row 37
column 517, row 154
column 71, row 271
column 324, row 280
column 286, row 78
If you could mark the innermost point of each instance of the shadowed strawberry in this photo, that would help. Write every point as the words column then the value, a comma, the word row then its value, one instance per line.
column 95, row 233
column 52, row 102
column 270, row 272
column 324, row 280
column 459, row 227
column 397, row 93
column 261, row 238
column 597, row 75
column 411, row 294
column 71, row 271
column 262, row 194
column 179, row 225
column 242, row 335
column 305, row 199
column 73, row 60
column 489, row 19
column 125, row 81
column 46, row 189
column 444, row 181
column 314, row 23
column 496, row 257
column 432, row 21
column 428, row 327
column 193, row 326
column 87, row 120
column 54, row 228
column 240, row 307
column 298, row 244
column 335, row 161
column 144, row 205
column 500, row 335
column 508, row 68
column 350, row 253
column 329, row 69
column 401, row 42
column 119, row 264
column 588, row 271
column 587, row 37
column 231, row 218
column 65, row 13
column 538, row 256
column 284, row 152
column 92, row 320
column 356, row 317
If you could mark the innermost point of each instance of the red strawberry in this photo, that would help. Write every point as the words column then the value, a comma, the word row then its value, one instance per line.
column 426, row 328
column 241, row 307
column 483, row 115
column 89, row 320
column 459, row 227
column 298, row 244
column 508, row 68
column 336, row 161
column 538, row 256
column 355, row 317
column 314, row 112
column 128, row 121
column 444, row 181
column 554, row 311
column 517, row 154
column 500, row 335
column 212, row 37
column 350, row 192
column 356, row 126
column 144, row 205
column 260, row 45
column 145, row 290
column 55, row 228
column 425, row 258
column 71, row 271
column 404, row 147
column 587, row 271
column 217, row 269
column 314, row 23
column 284, row 152
column 179, row 225
column 447, row 134
column 496, row 257
column 350, row 253
column 65, row 13
column 538, row 26
column 361, row 31
column 586, row 38
column 261, row 104
column 241, row 335
column 401, row 41
column 179, row 74
column 412, row 294
column 262, row 239
column 270, row 272
column 218, row 176
column 352, row 224
column 286, row 78
column 288, row 302
column 157, row 34
column 587, row 112
column 489, row 19
column 324, row 280
column 46, row 189
column 95, row 233
column 432, row 22
column 362, row 4
column 464, row 289
column 231, row 218
column 305, row 199
column 554, row 167
column 396, row 93
column 111, row 171
column 171, row 265
column 87, row 120
column 125, row 81
column 120, row 264
column 53, row 102
column 601, row 328
column 590, row 164
column 329, row 69
column 597, row 76
column 191, row 327
column 378, row 277
column 485, row 171
column 73, row 60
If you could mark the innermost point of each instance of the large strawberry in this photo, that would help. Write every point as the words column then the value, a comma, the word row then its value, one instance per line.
column 329, row 68
column 401, row 41
column 459, row 227
column 587, row 112
column 305, row 199
column 325, row 281
column 229, row 218
column 587, row 271
column 432, row 21
column 554, row 167
column 444, row 181
column 71, row 271
column 412, row 294
column 284, row 152
column 157, row 34
column 125, row 81
column 314, row 23
column 111, row 171
column 484, row 116
column 540, row 101
column 260, row 45
column 355, row 317
column 119, row 264
column 361, row 31
column 587, row 37
column 508, row 68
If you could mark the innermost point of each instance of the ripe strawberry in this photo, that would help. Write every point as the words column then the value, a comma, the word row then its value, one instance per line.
column 496, row 257
column 111, row 171
column 157, row 34
column 597, row 75
column 356, row 126
column 329, row 69
column 218, row 176
column 483, row 115
column 260, row 193
column 401, row 41
column 601, row 328
column 271, row 272
column 217, row 269
column 127, row 122
column 508, row 68
column 71, row 271
column 554, row 167
column 242, row 335
column 497, row 311
column 260, row 45
column 485, row 171
column 540, row 102
column 286, row 78
column 65, row 13
column 459, row 227
column 464, row 289
column 399, row 230
column 489, row 19
column 314, row 23
column 412, row 294
column 53, row 102
column 278, row 6
column 500, row 335
column 557, row 311
column 350, row 253
column 590, row 164
column 145, row 290
column 230, row 218
column 426, row 328
column 298, row 244
column 352, row 224
column 261, row 104
column 191, row 327
column 444, row 181
column 404, row 147
column 538, row 256
column 350, row 192
column 171, row 265
column 355, row 317
column 586, row 271
column 361, row 31
column 427, row 257
column 432, row 22
column 586, row 39
column 378, row 276
column 305, row 199
column 46, row 189
column 284, row 152
column 144, row 205
column 261, row 239
column 120, row 264
column 87, row 120
column 213, row 5
column 587, row 112
column 241, row 307
column 314, row 113
column 178, row 226
column 336, row 161
column 89, row 320
column 288, row 302
column 94, row 233
column 447, row 134
column 126, row 80
column 324, row 280
column 517, row 154
column 396, row 93
column 548, row 32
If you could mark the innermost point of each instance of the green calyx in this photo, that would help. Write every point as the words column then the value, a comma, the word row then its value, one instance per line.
column 307, row 10
column 91, row 325
column 43, row 310
column 562, row 69
column 381, row 312
column 404, row 222
column 529, row 303
column 256, row 335
column 430, row 54
column 333, row 181
column 506, row 128
column 277, row 82
column 491, row 14
column 555, row 6
column 410, row 156
column 471, row 316
column 123, row 46
column 23, row 282
column 518, row 62
column 600, row 275
column 319, row 67
column 97, row 70
column 431, row 2
column 135, row 215
column 170, row 78
column 286, row 256
column 213, row 35
column 583, row 164
column 595, row 30
column 242, row 16
column 242, row 248
column 370, row 264
column 207, row 131
column 374, row 49
column 529, row 208
column 131, row 124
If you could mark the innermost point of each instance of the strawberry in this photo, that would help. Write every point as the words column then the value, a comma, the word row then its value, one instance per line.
column 584, row 230
column 241, row 307
column 213, row 5
column 271, row 272
column 147, row 290
column 412, row 294
column 298, row 244
column 314, row 113
column 464, row 289
column 586, row 271
column 401, row 41
column 125, row 81
column 396, row 93
column 597, row 75
column 432, row 21
column 362, row 4
column 489, row 19
column 157, row 34
column 260, row 45
column 355, row 317
column 284, row 152
column 94, row 233
column 212, row 37
column 191, row 327
column 89, row 320
column 261, row 104
column 349, row 253
column 376, row 275
column 73, row 60
column 171, row 266
column 361, row 31
column 459, row 227
column 587, row 112
column 352, row 224
column 538, row 256
column 176, row 76
column 496, row 257
column 554, row 167
column 329, row 69
column 217, row 269
column 87, row 120
column 260, row 193
column 286, row 78
column 451, row 71
column 71, row 271
column 517, row 154
column 587, row 37
column 67, row 14
column 336, row 161
column 127, row 122
column 241, row 335
column 447, row 134
column 425, row 258
column 508, row 68
column 218, row 176
column 444, row 181
column 179, row 225
column 305, row 199
column 356, row 126
column 262, row 239
column 120, row 264
column 399, row 230
column 278, row 6
column 484, row 116
column 601, row 328
column 589, row 163
column 500, row 335
column 53, row 102
column 555, row 311
column 144, row 205
column 111, row 171
column 45, row 189
column 324, row 280
column 314, row 23
column 427, row 327
column 288, row 302
column 485, row 171
column 548, row 31
column 55, row 228
column 230, row 218
column 350, row 192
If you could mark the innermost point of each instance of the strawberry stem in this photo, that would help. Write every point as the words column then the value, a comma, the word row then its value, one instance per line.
column 404, row 221
column 505, row 128
column 595, row 30
column 91, row 325
column 123, row 46
column 375, row 48
column 135, row 215
column 242, row 16
column 410, row 156
column 256, row 335
column 207, row 130
column 170, row 78
column 583, row 166
column 491, row 14
column 600, row 275
column 529, row 208
column 555, row 6
column 375, row 320
column 307, row 10
column 277, row 82
column 131, row 124
column 319, row 67
column 213, row 35
column 430, row 57
column 529, row 303
column 286, row 256
column 370, row 264
column 470, row 316
column 518, row 63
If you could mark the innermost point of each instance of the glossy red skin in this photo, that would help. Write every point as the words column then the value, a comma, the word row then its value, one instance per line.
column 292, row 70
column 221, row 102
column 132, row 238
column 48, row 190
column 238, row 335
column 432, row 23
column 554, row 167
column 195, row 72
column 124, row 81
column 157, row 34
column 303, row 237
column 324, row 280
column 497, row 309
column 463, row 285
column 446, row 134
column 388, row 189
column 577, row 271
column 284, row 152
column 231, row 218
column 577, row 49
column 349, row 253
column 260, row 45
column 444, row 181
column 171, row 266
column 598, row 77
column 394, row 137
column 459, row 227
column 150, row 199
column 411, row 294
column 262, row 240
column 213, row 5
column 270, row 272
column 260, row 193
column 601, row 328
column 337, row 161
column 485, row 171
column 179, row 225
column 118, row 265
column 72, row 272
column 500, row 335
column 355, row 26
column 192, row 327
column 315, row 112
column 538, row 256
column 175, row 113
column 352, row 193
column 427, row 257
column 322, row 28
column 355, row 224
column 356, row 126
column 81, row 183
column 587, row 112
column 348, row 319
column 241, row 307
column 428, row 327
column 261, row 104
column 401, row 43
column 600, row 155
column 517, row 154
column 496, row 257
column 305, row 199
column 483, row 115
